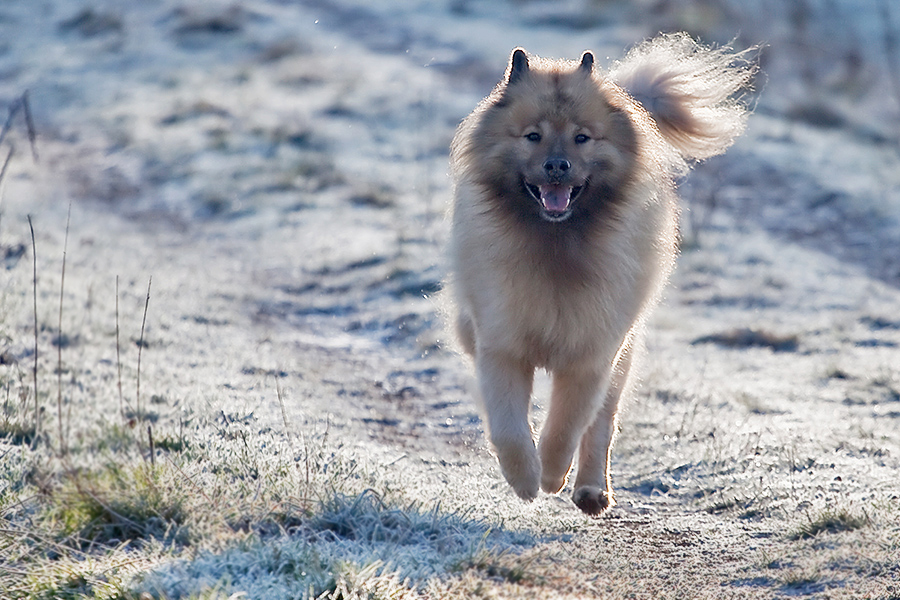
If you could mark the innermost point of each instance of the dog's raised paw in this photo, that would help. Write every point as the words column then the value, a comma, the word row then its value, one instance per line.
column 524, row 483
column 592, row 500
column 526, row 492
column 552, row 485
column 520, row 466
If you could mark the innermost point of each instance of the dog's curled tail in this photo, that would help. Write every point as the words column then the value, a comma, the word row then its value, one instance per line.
column 694, row 93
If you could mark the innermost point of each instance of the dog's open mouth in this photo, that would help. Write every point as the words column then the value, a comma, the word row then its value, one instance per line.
column 555, row 200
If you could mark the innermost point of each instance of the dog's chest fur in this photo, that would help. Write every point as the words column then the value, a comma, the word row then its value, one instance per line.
column 558, row 296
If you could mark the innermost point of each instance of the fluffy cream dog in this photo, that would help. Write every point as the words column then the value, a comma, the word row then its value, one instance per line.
column 564, row 230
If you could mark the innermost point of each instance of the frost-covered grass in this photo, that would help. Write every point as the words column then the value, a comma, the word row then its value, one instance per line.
column 208, row 503
column 357, row 545
column 227, row 508
column 231, row 511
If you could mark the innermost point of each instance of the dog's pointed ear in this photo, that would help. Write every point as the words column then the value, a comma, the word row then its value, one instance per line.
column 587, row 62
column 518, row 66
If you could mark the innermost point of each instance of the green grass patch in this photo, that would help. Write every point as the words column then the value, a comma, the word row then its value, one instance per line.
column 117, row 503
column 830, row 520
column 18, row 433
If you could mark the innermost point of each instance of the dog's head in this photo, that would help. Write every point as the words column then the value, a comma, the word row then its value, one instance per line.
column 550, row 141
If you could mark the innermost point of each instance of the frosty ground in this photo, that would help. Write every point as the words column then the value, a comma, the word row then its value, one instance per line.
column 280, row 171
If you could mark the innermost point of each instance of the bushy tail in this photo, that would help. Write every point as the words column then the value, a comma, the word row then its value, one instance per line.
column 693, row 93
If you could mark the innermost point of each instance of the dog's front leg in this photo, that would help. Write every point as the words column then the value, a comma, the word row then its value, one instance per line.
column 505, row 383
column 573, row 405
column 593, row 491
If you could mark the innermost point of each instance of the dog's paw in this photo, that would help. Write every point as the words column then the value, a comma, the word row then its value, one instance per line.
column 555, row 467
column 553, row 484
column 523, row 480
column 592, row 500
column 525, row 490
column 521, row 468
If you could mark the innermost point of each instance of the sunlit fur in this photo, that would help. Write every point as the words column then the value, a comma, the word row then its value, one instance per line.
column 537, row 283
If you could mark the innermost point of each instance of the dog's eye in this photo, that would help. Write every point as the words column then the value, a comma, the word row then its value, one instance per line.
column 533, row 137
column 581, row 138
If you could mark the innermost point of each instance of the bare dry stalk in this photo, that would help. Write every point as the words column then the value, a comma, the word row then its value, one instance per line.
column 152, row 451
column 63, row 445
column 24, row 105
column 6, row 163
column 3, row 173
column 118, row 356
column 280, row 393
column 287, row 428
column 13, row 111
column 37, row 407
column 29, row 124
column 140, row 415
column 6, row 404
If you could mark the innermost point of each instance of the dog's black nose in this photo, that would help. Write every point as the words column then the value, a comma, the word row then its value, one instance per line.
column 557, row 167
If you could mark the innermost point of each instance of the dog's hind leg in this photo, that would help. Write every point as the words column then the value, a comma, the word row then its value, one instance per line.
column 505, row 383
column 593, row 491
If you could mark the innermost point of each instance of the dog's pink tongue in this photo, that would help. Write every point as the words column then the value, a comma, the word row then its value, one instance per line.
column 555, row 198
